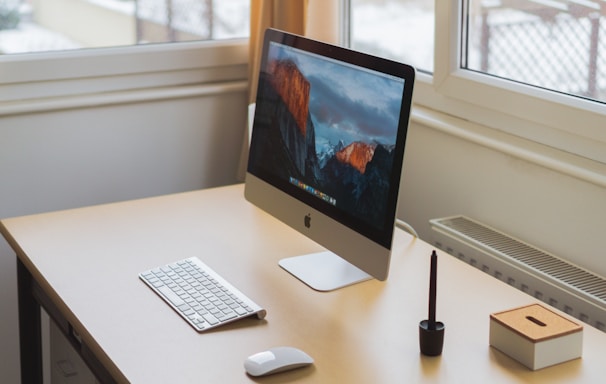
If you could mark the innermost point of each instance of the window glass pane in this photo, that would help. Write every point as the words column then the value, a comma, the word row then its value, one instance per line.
column 555, row 44
column 402, row 30
column 47, row 25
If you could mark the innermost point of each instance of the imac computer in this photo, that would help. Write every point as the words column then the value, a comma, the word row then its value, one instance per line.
column 326, row 154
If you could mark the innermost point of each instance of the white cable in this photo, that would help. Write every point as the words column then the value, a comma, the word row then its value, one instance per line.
column 406, row 227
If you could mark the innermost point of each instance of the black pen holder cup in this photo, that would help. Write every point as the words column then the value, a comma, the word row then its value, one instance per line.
column 431, row 340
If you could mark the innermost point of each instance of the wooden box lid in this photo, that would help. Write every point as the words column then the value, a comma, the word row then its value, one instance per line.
column 536, row 323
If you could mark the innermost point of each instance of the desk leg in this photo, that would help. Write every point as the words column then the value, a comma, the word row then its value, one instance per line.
column 30, row 333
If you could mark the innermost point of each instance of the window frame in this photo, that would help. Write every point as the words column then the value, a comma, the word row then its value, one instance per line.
column 545, row 117
column 57, row 80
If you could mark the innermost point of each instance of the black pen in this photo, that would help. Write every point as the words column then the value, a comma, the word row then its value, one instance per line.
column 431, row 332
column 433, row 277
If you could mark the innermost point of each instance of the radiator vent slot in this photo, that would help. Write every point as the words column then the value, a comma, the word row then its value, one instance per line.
column 555, row 281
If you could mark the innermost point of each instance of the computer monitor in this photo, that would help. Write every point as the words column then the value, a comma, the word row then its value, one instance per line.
column 326, row 154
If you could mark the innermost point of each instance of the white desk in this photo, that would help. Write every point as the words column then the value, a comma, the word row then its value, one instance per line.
column 86, row 262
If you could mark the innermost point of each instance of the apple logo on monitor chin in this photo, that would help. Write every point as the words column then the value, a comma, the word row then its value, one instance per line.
column 307, row 220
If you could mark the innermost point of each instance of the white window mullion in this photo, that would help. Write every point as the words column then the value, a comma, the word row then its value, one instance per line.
column 446, row 46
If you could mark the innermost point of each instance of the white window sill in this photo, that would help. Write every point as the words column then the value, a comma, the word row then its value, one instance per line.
column 575, row 166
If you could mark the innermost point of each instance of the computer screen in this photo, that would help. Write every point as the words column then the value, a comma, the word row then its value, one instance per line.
column 326, row 153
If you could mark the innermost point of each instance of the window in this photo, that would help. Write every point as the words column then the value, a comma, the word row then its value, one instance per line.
column 50, row 68
column 398, row 29
column 50, row 25
column 557, row 45
column 532, row 68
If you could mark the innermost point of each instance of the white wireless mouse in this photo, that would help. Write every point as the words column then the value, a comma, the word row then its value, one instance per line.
column 276, row 360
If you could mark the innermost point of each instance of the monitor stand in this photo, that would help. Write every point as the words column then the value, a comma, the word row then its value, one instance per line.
column 324, row 271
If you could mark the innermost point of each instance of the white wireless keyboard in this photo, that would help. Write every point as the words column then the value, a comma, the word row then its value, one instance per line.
column 201, row 296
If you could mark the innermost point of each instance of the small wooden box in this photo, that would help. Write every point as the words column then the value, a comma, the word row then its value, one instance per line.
column 536, row 336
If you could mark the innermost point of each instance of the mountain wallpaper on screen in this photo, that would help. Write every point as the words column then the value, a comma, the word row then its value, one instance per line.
column 355, row 173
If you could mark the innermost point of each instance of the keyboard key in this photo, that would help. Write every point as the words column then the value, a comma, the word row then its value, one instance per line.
column 170, row 295
column 211, row 319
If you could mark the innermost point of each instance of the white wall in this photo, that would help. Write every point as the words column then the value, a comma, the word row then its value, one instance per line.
column 77, row 157
column 445, row 174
